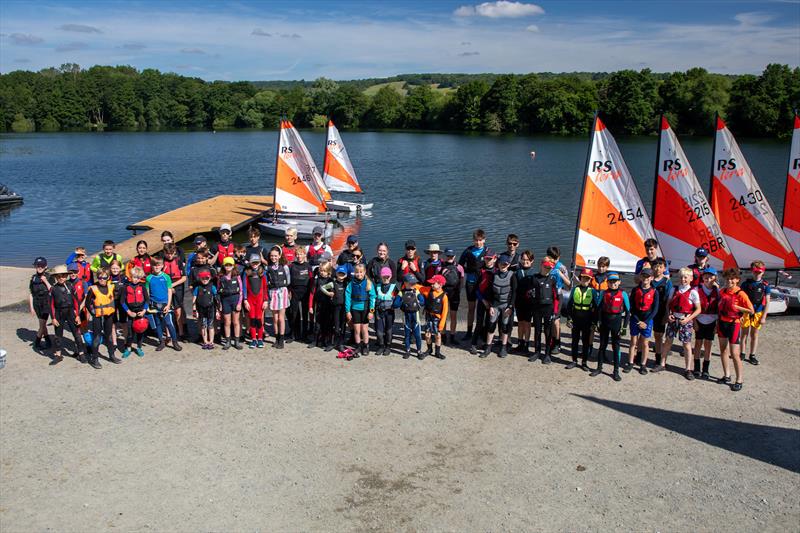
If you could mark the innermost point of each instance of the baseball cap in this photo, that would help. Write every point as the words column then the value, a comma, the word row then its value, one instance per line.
column 254, row 258
column 199, row 239
column 341, row 269
column 504, row 258
column 410, row 278
column 490, row 254
column 40, row 261
column 588, row 272
column 646, row 273
column 326, row 256
column 410, row 244
column 613, row 276
column 438, row 278
column 73, row 267
column 318, row 230
column 701, row 252
column 386, row 271
column 203, row 274
column 710, row 270
column 228, row 261
column 449, row 252
column 352, row 239
column 225, row 227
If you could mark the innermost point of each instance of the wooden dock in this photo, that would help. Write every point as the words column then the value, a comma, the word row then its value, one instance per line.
column 200, row 217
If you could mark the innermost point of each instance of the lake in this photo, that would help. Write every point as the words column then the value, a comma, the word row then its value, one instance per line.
column 83, row 188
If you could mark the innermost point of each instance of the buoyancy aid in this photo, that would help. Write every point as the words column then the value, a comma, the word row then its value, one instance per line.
column 172, row 268
column 338, row 291
column 643, row 299
column 300, row 274
column 582, row 298
column 103, row 302
column 288, row 253
column 62, row 296
column 543, row 289
column 315, row 254
column 501, row 287
column 254, row 282
column 709, row 303
column 39, row 290
column 756, row 291
column 229, row 286
column 613, row 302
column 205, row 295
column 431, row 269
column 434, row 304
column 144, row 263
column 224, row 250
column 277, row 277
column 134, row 296
column 727, row 301
column 409, row 300
column 681, row 303
column 451, row 276
column 472, row 262
column 384, row 298
column 407, row 269
column 359, row 290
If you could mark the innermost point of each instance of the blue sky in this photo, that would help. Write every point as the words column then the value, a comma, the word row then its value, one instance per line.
column 248, row 40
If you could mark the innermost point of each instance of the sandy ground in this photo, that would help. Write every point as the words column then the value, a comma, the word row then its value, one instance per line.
column 297, row 440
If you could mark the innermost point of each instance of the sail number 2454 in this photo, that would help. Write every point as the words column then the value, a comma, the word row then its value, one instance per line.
column 624, row 216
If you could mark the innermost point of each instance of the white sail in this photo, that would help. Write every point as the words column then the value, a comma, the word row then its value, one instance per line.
column 338, row 172
column 791, row 203
column 296, row 176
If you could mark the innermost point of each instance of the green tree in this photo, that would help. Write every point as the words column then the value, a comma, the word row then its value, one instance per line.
column 384, row 110
column 502, row 100
column 628, row 101
column 691, row 99
column 468, row 105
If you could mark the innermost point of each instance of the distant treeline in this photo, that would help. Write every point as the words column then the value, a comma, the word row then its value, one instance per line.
column 122, row 98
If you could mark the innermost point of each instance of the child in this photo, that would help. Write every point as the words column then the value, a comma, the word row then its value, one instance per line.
column 359, row 303
column 159, row 287
column 120, row 317
column 733, row 303
column 174, row 268
column 317, row 248
column 471, row 261
column 278, row 280
column 338, row 308
column 100, row 302
column 103, row 259
column 600, row 284
column 142, row 260
column 523, row 302
column 663, row 286
column 240, row 257
column 225, row 247
column 544, row 297
column 84, row 269
column 201, row 262
column 757, row 290
column 700, row 264
column 255, row 299
column 79, row 289
column 64, row 307
column 201, row 247
column 706, row 321
column 684, row 306
column 501, row 311
column 230, row 296
column 385, row 293
column 410, row 302
column 433, row 265
column 204, row 308
column 483, row 300
column 135, row 304
column 581, row 310
column 614, row 310
column 644, row 305
column 320, row 305
column 436, row 311
column 254, row 247
column 453, row 274
column 288, row 248
column 560, row 275
column 39, row 302
column 512, row 247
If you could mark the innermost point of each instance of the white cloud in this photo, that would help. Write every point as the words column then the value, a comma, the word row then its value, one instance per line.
column 24, row 39
column 260, row 33
column 71, row 47
column 469, row 54
column 500, row 9
column 79, row 28
column 753, row 18
column 197, row 51
column 533, row 28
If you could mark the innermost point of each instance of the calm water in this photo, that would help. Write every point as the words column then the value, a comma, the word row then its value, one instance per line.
column 80, row 189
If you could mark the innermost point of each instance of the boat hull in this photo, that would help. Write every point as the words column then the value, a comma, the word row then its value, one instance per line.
column 305, row 228
column 347, row 207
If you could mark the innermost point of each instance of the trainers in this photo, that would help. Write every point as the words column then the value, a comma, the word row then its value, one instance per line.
column 596, row 372
column 689, row 375
column 657, row 368
column 422, row 355
column 642, row 370
column 585, row 367
column 556, row 349
column 473, row 349
column 546, row 360
column 571, row 365
column 753, row 361
column 126, row 352
column 260, row 343
column 114, row 359
column 237, row 344
column 736, row 387
column 725, row 380
column 407, row 353
column 94, row 363
column 175, row 346
column 161, row 346
column 617, row 377
column 139, row 352
column 253, row 344
column 226, row 344
column 533, row 357
column 704, row 376
column 627, row 368
column 486, row 351
column 503, row 352
column 696, row 372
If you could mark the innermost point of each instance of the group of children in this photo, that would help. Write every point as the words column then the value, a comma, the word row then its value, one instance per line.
column 331, row 303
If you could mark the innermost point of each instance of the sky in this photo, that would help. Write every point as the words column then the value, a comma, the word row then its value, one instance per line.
column 264, row 40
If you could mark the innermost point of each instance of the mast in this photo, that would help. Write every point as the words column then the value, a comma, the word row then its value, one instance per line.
column 660, row 129
column 583, row 190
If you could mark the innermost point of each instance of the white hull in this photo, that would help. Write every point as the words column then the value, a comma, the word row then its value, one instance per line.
column 347, row 207
column 305, row 228
column 776, row 306
column 304, row 216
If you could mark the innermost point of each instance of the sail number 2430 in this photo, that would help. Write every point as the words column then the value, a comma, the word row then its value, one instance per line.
column 624, row 216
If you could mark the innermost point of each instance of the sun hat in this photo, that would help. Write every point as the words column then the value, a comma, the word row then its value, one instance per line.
column 228, row 261
column 225, row 227
column 433, row 248
column 60, row 269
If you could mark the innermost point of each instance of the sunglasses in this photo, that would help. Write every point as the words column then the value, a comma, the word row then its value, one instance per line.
column 512, row 243
column 411, row 247
column 357, row 256
column 103, row 278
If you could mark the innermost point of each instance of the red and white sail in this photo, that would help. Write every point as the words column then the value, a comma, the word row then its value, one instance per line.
column 613, row 221
column 744, row 215
column 296, row 176
column 791, row 202
column 338, row 172
column 682, row 217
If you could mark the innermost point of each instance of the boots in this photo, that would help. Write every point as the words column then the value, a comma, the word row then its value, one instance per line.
column 113, row 358
column 226, row 343
column 438, row 354
column 279, row 342
column 503, row 352
column 161, row 345
column 704, row 374
column 177, row 347
column 95, row 363
column 697, row 368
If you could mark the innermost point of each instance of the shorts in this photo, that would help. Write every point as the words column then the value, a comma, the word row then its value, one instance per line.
column 42, row 309
column 705, row 332
column 178, row 297
column 205, row 316
column 471, row 288
column 730, row 330
column 683, row 332
column 278, row 299
column 229, row 303
column 524, row 313
column 752, row 321
column 432, row 325
column 646, row 333
column 360, row 316
column 659, row 325
column 453, row 299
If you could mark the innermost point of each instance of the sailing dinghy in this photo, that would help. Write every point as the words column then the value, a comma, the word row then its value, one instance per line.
column 791, row 202
column 612, row 220
column 682, row 217
column 744, row 215
column 339, row 175
column 297, row 198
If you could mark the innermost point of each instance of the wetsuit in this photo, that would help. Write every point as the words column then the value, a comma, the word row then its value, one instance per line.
column 504, row 289
column 419, row 273
column 664, row 287
column 581, row 308
column 411, row 302
column 453, row 275
column 338, row 312
column 375, row 266
column 41, row 297
column 101, row 303
column 471, row 261
column 483, row 296
column 323, row 310
column 544, row 301
column 384, row 312
column 174, row 268
column 255, row 293
column 205, row 302
column 300, row 276
column 523, row 302
column 64, row 307
column 614, row 312
column 135, row 298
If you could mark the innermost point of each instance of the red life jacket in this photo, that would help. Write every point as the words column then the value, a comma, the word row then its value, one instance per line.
column 407, row 270
column 288, row 253
column 727, row 300
column 134, row 296
column 709, row 303
column 172, row 269
column 613, row 302
column 223, row 251
column 643, row 300
column 84, row 272
column 485, row 279
column 144, row 264
column 315, row 253
column 697, row 275
column 680, row 302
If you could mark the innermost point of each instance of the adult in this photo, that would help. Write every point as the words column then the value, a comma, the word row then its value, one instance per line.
column 377, row 263
column 699, row 265
column 347, row 254
column 512, row 247
column 471, row 261
column 317, row 250
column 168, row 238
column 410, row 263
column 651, row 253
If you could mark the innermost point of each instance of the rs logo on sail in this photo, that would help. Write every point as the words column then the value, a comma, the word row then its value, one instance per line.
column 728, row 169
column 604, row 172
column 674, row 169
column 286, row 149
